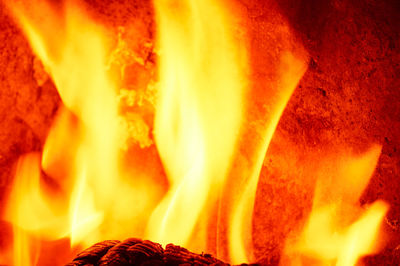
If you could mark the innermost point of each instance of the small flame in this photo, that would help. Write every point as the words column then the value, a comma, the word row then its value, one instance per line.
column 199, row 111
column 292, row 68
column 334, row 232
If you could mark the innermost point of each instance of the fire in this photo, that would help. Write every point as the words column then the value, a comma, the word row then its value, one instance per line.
column 338, row 230
column 80, row 189
column 199, row 111
column 290, row 71
column 82, row 151
column 32, row 211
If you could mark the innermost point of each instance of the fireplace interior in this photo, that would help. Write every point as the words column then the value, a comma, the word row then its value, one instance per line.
column 297, row 103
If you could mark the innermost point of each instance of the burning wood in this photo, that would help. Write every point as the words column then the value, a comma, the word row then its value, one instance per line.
column 134, row 251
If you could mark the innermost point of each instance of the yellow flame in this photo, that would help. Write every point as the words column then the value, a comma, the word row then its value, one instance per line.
column 76, row 62
column 291, row 70
column 336, row 232
column 199, row 111
column 82, row 150
column 30, row 211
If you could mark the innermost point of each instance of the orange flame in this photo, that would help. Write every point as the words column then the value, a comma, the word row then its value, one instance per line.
column 199, row 111
column 201, row 108
column 83, row 147
column 32, row 211
column 292, row 68
column 334, row 233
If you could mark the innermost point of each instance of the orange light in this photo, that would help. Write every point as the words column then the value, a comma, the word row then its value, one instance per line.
column 338, row 230
column 292, row 68
column 202, row 106
column 83, row 149
column 199, row 112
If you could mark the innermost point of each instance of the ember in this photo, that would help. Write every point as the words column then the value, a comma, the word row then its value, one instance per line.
column 196, row 123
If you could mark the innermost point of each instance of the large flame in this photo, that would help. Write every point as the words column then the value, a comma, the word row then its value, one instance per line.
column 81, row 154
column 199, row 111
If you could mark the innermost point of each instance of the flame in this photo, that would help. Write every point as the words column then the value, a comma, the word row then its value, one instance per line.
column 199, row 111
column 78, row 188
column 338, row 229
column 82, row 151
column 76, row 63
column 31, row 211
column 292, row 68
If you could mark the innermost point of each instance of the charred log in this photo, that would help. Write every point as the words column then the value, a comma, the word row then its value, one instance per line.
column 139, row 252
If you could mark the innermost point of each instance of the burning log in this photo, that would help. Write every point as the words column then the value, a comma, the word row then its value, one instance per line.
column 134, row 251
